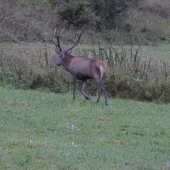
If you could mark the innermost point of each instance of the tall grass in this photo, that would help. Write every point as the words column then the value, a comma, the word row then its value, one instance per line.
column 131, row 73
column 30, row 66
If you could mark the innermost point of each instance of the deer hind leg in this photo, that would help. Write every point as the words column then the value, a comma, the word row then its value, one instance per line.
column 99, row 95
column 102, row 88
column 82, row 90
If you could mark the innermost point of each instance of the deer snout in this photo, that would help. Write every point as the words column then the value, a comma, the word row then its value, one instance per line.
column 58, row 63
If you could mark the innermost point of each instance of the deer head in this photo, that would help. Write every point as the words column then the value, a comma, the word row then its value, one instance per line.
column 62, row 53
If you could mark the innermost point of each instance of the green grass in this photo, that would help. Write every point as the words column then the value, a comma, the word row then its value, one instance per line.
column 36, row 133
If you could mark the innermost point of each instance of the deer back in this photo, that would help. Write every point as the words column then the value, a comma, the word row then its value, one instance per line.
column 83, row 66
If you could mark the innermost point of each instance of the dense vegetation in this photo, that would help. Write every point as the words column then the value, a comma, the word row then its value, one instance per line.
column 141, row 73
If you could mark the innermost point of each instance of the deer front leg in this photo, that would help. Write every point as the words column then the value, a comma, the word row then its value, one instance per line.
column 74, row 88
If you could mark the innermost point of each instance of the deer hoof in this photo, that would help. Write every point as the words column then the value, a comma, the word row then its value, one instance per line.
column 88, row 98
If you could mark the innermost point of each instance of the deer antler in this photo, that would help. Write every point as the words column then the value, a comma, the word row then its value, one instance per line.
column 58, row 38
column 79, row 36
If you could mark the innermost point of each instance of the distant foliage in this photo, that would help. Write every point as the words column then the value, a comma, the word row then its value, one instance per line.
column 99, row 14
column 109, row 11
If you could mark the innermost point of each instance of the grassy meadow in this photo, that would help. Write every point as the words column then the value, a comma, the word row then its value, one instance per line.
column 40, row 130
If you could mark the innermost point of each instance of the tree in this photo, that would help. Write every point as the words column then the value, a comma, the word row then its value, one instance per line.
column 77, row 13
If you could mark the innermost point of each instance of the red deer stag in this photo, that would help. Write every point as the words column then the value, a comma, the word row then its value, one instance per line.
column 81, row 68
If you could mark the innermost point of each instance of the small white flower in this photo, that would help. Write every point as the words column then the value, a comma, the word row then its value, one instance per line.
column 72, row 143
column 72, row 127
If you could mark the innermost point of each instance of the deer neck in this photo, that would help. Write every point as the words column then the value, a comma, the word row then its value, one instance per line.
column 67, row 60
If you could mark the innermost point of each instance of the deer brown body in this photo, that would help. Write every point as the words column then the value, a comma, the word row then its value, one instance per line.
column 83, row 68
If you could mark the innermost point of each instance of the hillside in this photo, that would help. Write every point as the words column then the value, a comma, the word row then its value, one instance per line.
column 129, row 21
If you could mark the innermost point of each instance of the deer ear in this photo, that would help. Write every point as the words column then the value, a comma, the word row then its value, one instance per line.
column 69, row 51
column 58, row 52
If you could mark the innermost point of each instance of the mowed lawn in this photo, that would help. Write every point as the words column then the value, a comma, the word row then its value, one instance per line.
column 49, row 131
